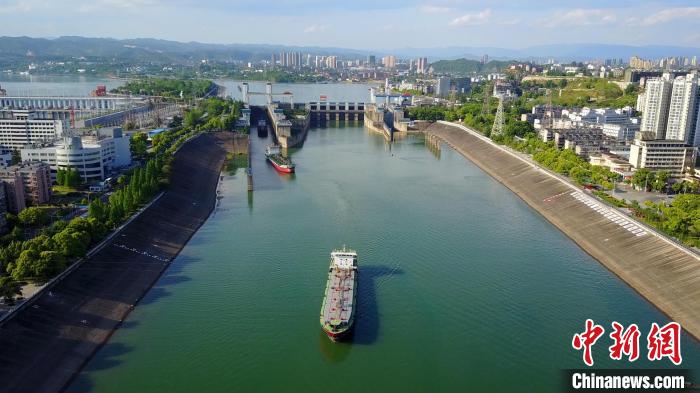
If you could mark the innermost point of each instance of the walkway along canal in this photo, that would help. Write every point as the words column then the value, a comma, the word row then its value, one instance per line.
column 44, row 346
column 664, row 273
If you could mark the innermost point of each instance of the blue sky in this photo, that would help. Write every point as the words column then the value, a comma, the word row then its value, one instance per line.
column 363, row 24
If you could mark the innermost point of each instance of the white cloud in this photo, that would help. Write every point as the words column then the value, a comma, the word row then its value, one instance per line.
column 472, row 19
column 670, row 14
column 315, row 28
column 434, row 9
column 101, row 5
column 24, row 6
column 509, row 22
column 581, row 17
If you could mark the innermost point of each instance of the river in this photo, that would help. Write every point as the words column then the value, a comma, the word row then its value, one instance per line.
column 463, row 287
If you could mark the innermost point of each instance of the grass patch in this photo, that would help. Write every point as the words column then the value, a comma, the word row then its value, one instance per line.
column 235, row 161
column 610, row 199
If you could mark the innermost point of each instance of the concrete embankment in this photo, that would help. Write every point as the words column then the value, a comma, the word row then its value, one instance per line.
column 45, row 345
column 663, row 272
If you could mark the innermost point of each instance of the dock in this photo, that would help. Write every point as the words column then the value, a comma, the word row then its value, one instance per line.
column 661, row 270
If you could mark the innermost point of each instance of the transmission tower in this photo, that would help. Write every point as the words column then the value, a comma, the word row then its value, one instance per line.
column 497, row 128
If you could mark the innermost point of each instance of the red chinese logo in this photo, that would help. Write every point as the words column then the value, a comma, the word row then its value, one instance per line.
column 587, row 339
column 665, row 342
column 662, row 342
column 626, row 342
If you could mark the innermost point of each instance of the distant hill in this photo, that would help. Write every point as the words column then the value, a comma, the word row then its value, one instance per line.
column 158, row 51
column 147, row 49
column 560, row 52
column 466, row 67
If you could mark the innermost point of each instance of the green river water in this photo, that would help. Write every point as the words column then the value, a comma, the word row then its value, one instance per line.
column 462, row 286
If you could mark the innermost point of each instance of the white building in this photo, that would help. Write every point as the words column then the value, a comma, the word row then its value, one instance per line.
column 683, row 122
column 622, row 132
column 24, row 128
column 672, row 156
column 94, row 156
column 670, row 108
column 599, row 116
column 655, row 106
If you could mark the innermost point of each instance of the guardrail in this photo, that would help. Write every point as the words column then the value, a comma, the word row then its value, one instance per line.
column 519, row 155
column 54, row 281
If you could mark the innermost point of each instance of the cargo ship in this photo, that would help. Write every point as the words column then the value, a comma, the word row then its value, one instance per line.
column 281, row 163
column 338, row 308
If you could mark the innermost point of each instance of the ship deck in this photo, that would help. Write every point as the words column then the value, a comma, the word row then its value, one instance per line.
column 340, row 295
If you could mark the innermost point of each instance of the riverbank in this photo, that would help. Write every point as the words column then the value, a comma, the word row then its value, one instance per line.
column 47, row 344
column 664, row 273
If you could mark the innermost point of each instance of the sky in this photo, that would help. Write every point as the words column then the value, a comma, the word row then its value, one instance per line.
column 363, row 24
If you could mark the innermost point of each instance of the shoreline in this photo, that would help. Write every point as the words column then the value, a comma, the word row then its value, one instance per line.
column 47, row 345
column 664, row 273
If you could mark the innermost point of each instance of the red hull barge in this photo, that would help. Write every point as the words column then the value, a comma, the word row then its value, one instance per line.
column 281, row 163
column 281, row 168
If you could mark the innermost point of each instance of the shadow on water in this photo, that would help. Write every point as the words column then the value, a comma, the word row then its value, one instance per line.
column 367, row 319
column 366, row 328
column 110, row 356
column 172, row 276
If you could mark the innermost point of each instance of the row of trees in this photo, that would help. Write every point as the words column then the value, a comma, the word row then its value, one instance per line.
column 48, row 253
column 170, row 88
column 143, row 185
column 59, row 244
column 647, row 180
column 680, row 219
column 138, row 144
column 213, row 114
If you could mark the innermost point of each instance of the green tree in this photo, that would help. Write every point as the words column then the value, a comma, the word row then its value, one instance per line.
column 33, row 216
column 72, row 244
column 61, row 177
column 643, row 177
column 519, row 128
column 9, row 289
column 139, row 145
column 660, row 181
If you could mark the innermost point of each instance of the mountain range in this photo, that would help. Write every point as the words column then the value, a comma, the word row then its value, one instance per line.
column 158, row 50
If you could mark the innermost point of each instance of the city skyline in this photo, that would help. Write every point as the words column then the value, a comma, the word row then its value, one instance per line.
column 331, row 24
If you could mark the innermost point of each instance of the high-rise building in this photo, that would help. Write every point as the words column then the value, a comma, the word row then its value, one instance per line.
column 643, row 64
column 14, row 190
column 389, row 61
column 35, row 179
column 422, row 65
column 682, row 121
column 371, row 60
column 332, row 62
column 670, row 108
column 442, row 87
column 24, row 127
column 655, row 106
